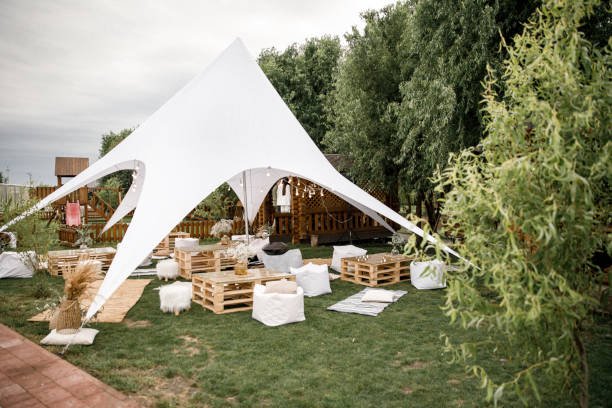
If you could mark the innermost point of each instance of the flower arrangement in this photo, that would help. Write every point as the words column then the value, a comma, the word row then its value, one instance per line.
column 397, row 241
column 84, row 234
column 241, row 252
column 221, row 228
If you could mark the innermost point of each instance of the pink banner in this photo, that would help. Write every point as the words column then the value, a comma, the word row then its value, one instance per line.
column 73, row 214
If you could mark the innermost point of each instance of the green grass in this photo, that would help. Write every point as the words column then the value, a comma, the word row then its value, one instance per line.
column 331, row 359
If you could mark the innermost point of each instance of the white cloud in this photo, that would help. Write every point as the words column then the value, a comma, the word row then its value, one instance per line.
column 72, row 70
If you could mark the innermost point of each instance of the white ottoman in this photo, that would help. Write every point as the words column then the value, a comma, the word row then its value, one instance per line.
column 313, row 279
column 282, row 263
column 186, row 243
column 275, row 309
column 175, row 298
column 428, row 275
column 167, row 269
column 345, row 251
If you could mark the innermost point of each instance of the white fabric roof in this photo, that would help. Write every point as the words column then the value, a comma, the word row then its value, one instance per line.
column 226, row 120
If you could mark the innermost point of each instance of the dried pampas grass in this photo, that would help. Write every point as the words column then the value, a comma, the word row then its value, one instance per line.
column 79, row 278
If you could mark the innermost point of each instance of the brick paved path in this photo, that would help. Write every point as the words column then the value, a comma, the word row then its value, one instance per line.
column 30, row 376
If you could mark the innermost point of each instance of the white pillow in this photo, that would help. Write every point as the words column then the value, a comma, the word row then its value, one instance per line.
column 309, row 267
column 84, row 337
column 378, row 295
column 345, row 251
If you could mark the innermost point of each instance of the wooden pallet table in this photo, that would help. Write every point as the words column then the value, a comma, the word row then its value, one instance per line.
column 376, row 270
column 226, row 292
column 70, row 257
column 203, row 258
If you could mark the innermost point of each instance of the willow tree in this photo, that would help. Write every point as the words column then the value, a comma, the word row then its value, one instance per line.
column 533, row 207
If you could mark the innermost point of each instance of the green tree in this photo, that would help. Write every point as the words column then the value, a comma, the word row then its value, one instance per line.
column 110, row 140
column 3, row 179
column 533, row 207
column 408, row 91
column 366, row 89
column 303, row 76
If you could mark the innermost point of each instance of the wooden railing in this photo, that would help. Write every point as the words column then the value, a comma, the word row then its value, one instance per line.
column 104, row 209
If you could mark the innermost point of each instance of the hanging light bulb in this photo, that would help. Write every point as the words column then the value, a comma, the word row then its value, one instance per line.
column 296, row 191
column 268, row 172
column 321, row 192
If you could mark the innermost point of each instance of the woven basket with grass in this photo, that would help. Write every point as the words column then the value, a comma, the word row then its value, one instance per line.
column 77, row 280
column 69, row 316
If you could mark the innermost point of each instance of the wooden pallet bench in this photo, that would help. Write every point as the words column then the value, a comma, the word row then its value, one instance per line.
column 57, row 260
column 226, row 292
column 376, row 270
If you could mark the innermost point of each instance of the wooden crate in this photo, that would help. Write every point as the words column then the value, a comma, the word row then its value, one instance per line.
column 226, row 292
column 191, row 262
column 376, row 270
column 58, row 259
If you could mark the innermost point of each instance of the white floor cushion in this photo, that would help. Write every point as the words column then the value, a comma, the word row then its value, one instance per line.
column 345, row 251
column 275, row 309
column 84, row 337
column 314, row 279
column 428, row 275
column 282, row 263
column 167, row 269
column 16, row 264
column 378, row 295
column 175, row 297
column 186, row 243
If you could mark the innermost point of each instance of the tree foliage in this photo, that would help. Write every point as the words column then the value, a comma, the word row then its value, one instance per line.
column 408, row 91
column 303, row 76
column 109, row 141
column 533, row 207
column 220, row 204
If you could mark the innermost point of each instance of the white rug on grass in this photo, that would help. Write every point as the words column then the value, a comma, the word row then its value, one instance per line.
column 353, row 304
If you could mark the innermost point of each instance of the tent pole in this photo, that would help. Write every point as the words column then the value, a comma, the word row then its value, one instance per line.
column 246, row 209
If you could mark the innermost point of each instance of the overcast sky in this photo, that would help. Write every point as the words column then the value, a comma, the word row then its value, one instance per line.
column 71, row 71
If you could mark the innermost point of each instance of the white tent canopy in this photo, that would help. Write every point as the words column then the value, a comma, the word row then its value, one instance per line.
column 226, row 121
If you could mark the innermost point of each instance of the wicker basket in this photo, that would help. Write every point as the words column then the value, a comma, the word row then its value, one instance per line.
column 69, row 317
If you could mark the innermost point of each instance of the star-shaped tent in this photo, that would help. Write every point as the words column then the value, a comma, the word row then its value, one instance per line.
column 228, row 124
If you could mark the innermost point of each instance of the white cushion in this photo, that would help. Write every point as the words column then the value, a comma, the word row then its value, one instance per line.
column 275, row 309
column 167, row 268
column 16, row 264
column 378, row 295
column 345, row 251
column 281, row 286
column 428, row 275
column 314, row 279
column 84, row 337
column 257, row 246
column 186, row 243
column 175, row 297
column 282, row 263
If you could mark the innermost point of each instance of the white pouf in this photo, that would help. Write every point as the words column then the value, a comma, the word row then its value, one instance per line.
column 167, row 269
column 428, row 275
column 345, row 251
column 175, row 298
column 186, row 243
column 275, row 309
column 16, row 264
column 282, row 263
column 314, row 279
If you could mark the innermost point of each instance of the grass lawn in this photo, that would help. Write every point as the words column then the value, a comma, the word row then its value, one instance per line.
column 332, row 359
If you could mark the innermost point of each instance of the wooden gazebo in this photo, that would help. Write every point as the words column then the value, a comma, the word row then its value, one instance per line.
column 318, row 215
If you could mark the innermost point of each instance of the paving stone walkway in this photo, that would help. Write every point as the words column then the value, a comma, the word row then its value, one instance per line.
column 30, row 376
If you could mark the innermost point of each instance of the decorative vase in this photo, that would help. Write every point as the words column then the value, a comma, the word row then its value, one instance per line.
column 225, row 240
column 69, row 317
column 394, row 251
column 240, row 268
